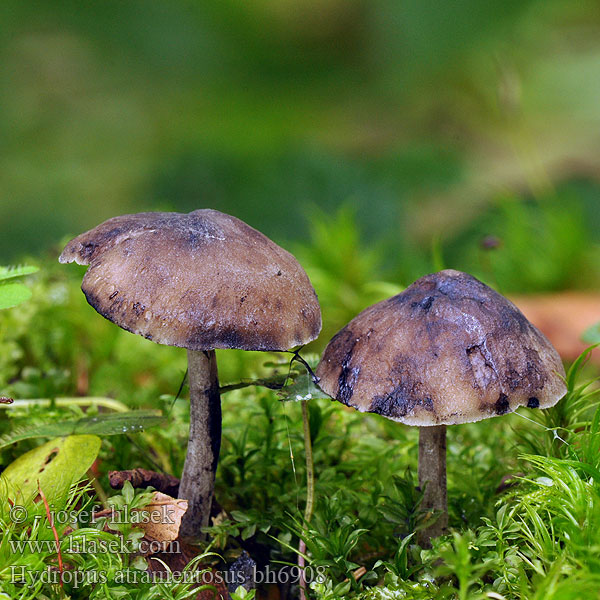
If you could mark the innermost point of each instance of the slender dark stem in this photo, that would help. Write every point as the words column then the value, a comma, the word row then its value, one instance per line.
column 310, row 494
column 310, row 469
column 198, row 479
column 432, row 478
column 276, row 382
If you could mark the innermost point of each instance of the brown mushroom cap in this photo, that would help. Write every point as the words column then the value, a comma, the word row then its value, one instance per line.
column 447, row 350
column 202, row 280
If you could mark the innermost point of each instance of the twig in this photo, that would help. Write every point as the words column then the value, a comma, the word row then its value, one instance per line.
column 273, row 383
column 141, row 478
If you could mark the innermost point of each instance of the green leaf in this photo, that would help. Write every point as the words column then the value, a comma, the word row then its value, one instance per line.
column 240, row 517
column 303, row 388
column 248, row 531
column 577, row 365
column 128, row 492
column 110, row 424
column 13, row 294
column 56, row 465
column 342, row 589
column 13, row 272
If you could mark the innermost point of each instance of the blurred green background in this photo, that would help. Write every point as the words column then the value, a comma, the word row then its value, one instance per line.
column 411, row 130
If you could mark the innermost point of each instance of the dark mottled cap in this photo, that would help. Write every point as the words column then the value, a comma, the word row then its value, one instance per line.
column 447, row 350
column 201, row 281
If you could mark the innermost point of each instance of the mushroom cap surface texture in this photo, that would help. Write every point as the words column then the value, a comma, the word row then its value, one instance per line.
column 201, row 281
column 447, row 350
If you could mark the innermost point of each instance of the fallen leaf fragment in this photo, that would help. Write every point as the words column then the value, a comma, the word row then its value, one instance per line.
column 163, row 517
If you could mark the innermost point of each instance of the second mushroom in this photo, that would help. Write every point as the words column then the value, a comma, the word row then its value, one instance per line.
column 447, row 350
column 202, row 281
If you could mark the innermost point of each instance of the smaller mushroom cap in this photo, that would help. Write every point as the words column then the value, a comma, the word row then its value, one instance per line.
column 447, row 350
column 202, row 280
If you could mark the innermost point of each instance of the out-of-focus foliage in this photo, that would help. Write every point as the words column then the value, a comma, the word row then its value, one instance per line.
column 420, row 115
column 11, row 293
column 540, row 245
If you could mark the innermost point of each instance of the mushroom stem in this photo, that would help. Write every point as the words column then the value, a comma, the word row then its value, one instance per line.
column 198, row 478
column 432, row 477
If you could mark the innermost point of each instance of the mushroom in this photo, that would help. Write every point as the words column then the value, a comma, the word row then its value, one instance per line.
column 447, row 350
column 201, row 281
